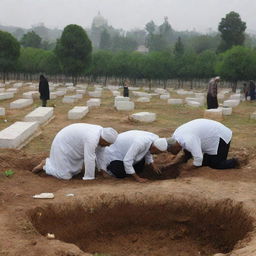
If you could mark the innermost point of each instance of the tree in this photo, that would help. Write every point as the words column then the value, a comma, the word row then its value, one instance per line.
column 178, row 48
column 232, row 31
column 105, row 40
column 9, row 52
column 31, row 39
column 166, row 30
column 74, row 50
column 150, row 27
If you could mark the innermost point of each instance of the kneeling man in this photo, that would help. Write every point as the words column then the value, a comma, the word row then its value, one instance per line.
column 130, row 152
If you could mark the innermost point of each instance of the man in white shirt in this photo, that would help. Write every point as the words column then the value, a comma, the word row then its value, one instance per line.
column 75, row 146
column 205, row 140
column 130, row 152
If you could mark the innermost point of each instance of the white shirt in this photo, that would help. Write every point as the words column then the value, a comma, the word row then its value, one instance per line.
column 129, row 147
column 201, row 136
column 74, row 146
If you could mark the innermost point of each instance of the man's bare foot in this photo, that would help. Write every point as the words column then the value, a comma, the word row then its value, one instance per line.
column 39, row 167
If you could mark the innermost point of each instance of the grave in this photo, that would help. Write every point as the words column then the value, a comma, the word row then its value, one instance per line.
column 235, row 96
column 175, row 101
column 6, row 95
column 124, row 105
column 164, row 96
column 226, row 111
column 215, row 114
column 78, row 112
column 143, row 99
column 53, row 95
column 146, row 117
column 16, row 134
column 69, row 99
column 193, row 103
column 199, row 100
column 2, row 90
column 120, row 98
column 116, row 93
column 93, row 103
column 31, row 95
column 40, row 115
column 18, row 85
column 253, row 115
column 78, row 96
column 71, row 89
column 94, row 94
column 60, row 93
column 21, row 103
column 14, row 90
column 231, row 103
column 2, row 111
column 80, row 91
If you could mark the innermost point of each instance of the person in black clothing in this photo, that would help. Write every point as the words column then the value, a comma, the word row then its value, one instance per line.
column 126, row 90
column 212, row 100
column 44, row 90
column 252, row 90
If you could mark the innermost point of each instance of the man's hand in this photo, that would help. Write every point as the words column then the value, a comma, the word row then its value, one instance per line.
column 139, row 179
column 155, row 168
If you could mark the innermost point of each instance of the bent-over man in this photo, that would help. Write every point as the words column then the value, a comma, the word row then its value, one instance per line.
column 74, row 146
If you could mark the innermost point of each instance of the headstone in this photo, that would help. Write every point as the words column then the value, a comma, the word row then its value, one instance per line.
column 69, row 84
column 16, row 134
column 215, row 114
column 146, row 117
column 78, row 112
column 6, row 95
column 2, row 111
column 226, row 111
column 21, row 103
column 78, row 96
column 2, row 90
column 253, row 115
column 235, row 96
column 116, row 93
column 14, row 90
column 40, row 115
column 164, row 96
column 121, row 98
column 124, row 105
column 53, row 95
column 60, row 93
column 175, row 101
column 71, row 89
column 80, row 91
column 231, row 103
column 193, row 103
column 143, row 99
column 31, row 95
column 18, row 85
column 69, row 99
column 93, row 103
column 95, row 94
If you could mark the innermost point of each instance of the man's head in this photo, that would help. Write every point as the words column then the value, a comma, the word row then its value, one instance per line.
column 158, row 146
column 173, row 146
column 217, row 79
column 107, row 137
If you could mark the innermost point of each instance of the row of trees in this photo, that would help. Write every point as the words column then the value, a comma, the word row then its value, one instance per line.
column 73, row 56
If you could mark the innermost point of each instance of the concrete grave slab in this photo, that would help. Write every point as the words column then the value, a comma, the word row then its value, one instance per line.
column 78, row 112
column 146, row 117
column 93, row 103
column 143, row 99
column 2, row 111
column 40, row 115
column 6, row 95
column 21, row 103
column 124, row 105
column 175, row 101
column 231, row 103
column 193, row 103
column 95, row 94
column 215, row 114
column 16, row 134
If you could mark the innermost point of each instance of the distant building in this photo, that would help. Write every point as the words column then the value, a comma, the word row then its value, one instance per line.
column 99, row 21
column 142, row 49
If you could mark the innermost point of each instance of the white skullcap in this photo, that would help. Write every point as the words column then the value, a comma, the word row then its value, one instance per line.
column 160, row 144
column 109, row 134
column 217, row 78
column 170, row 141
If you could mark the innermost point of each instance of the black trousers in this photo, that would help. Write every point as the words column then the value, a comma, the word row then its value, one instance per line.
column 117, row 168
column 218, row 161
column 44, row 102
column 212, row 102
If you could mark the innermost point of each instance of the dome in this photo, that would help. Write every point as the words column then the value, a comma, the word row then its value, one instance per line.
column 99, row 21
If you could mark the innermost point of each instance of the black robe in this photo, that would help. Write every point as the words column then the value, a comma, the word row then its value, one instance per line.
column 44, row 89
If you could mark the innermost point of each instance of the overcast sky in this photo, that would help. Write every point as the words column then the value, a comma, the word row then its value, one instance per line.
column 127, row 14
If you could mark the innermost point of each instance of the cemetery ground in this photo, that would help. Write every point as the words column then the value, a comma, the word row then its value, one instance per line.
column 201, row 212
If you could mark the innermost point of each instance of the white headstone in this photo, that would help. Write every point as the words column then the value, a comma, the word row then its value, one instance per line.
column 78, row 112
column 16, row 134
column 146, row 117
column 69, row 99
column 175, row 101
column 2, row 111
column 95, row 94
column 164, row 96
column 21, row 103
column 124, row 105
column 193, row 103
column 93, row 103
column 53, row 95
column 6, row 95
column 215, row 114
column 80, row 91
column 253, row 115
column 226, row 111
column 14, row 90
column 31, row 95
column 143, row 99
column 231, row 103
column 18, row 85
column 40, row 115
column 60, row 93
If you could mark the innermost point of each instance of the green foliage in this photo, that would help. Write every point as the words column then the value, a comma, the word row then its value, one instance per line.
column 9, row 173
column 74, row 50
column 238, row 63
column 9, row 52
column 31, row 39
column 105, row 40
column 205, row 42
column 232, row 31
column 179, row 48
column 121, row 43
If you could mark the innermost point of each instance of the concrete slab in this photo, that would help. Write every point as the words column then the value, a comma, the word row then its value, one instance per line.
column 143, row 99
column 14, row 90
column 95, row 94
column 16, row 134
column 215, row 114
column 60, row 93
column 40, row 115
column 146, row 117
column 236, row 96
column 53, row 95
column 69, row 99
column 80, row 91
column 193, row 104
column 6, row 95
column 21, row 103
column 116, row 93
column 253, row 115
column 164, row 96
column 226, row 111
column 31, row 95
column 18, row 85
column 124, row 105
column 231, row 103
column 93, row 103
column 78, row 112
column 2, row 111
column 175, row 101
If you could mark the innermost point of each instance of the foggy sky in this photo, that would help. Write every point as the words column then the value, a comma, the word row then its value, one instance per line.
column 127, row 14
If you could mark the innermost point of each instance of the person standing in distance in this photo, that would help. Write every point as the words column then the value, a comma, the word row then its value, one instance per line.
column 44, row 90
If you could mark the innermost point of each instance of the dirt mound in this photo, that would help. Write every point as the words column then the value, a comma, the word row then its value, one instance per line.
column 176, row 227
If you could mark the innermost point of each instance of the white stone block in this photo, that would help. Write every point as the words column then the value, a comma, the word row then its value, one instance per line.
column 70, row 89
column 215, row 114
column 95, row 94
column 2, row 111
column 199, row 95
column 193, row 103
column 80, row 91
column 69, row 84
column 2, row 85
column 116, row 93
column 221, row 96
column 21, row 103
column 124, row 105
column 2, row 90
column 31, row 95
column 120, row 98
column 160, row 91
column 78, row 112
column 60, row 93
column 164, row 96
column 146, row 117
column 78, row 96
column 69, row 99
column 175, row 101
column 253, row 115
column 18, row 85
column 226, row 111
column 93, row 102
column 6, row 95
column 235, row 96
column 231, row 103
column 199, row 100
column 40, row 115
column 53, row 95
column 82, row 86
column 33, row 87
column 16, row 134
column 183, row 92
column 143, row 99
column 14, row 90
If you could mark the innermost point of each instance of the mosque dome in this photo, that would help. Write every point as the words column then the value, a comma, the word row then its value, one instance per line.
column 99, row 21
